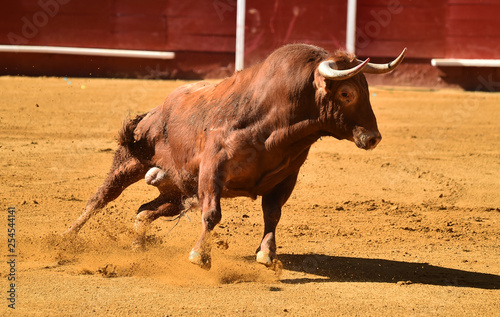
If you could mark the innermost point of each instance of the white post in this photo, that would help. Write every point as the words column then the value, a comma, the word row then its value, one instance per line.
column 86, row 51
column 350, row 41
column 240, row 35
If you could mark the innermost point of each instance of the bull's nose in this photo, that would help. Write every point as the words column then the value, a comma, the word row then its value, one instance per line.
column 372, row 141
column 366, row 140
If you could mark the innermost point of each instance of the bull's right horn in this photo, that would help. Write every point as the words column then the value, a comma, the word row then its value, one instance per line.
column 327, row 70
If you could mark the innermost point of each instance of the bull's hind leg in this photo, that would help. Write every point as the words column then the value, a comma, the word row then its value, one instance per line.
column 167, row 204
column 125, row 171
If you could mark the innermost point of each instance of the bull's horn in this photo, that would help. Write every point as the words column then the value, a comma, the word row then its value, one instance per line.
column 372, row 68
column 327, row 70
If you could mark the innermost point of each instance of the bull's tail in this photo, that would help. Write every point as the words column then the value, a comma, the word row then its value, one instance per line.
column 126, row 135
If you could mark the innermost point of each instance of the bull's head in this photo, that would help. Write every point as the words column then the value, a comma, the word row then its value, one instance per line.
column 344, row 100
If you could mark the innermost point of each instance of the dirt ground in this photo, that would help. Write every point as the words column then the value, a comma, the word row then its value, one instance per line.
column 411, row 228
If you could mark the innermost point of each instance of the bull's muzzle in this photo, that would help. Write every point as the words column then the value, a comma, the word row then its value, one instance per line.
column 368, row 140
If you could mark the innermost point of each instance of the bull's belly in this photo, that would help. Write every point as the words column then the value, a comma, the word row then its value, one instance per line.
column 241, row 187
column 261, row 185
column 249, row 189
column 245, row 179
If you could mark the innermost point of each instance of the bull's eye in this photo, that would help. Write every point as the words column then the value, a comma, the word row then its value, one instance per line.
column 346, row 94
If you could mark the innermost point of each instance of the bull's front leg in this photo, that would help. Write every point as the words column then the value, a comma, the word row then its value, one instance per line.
column 271, row 207
column 210, row 217
column 209, row 194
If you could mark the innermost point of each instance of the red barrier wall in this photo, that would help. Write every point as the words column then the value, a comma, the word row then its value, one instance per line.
column 205, row 31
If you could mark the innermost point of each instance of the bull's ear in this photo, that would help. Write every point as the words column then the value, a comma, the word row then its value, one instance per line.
column 320, row 83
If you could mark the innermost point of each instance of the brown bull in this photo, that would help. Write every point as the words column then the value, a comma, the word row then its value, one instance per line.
column 246, row 136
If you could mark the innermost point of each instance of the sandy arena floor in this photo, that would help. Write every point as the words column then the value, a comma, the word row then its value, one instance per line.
column 409, row 229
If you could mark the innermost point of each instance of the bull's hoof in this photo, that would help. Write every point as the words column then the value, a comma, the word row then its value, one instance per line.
column 202, row 260
column 138, row 244
column 270, row 262
column 264, row 258
column 69, row 233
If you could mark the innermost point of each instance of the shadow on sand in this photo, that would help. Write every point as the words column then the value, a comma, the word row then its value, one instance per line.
column 346, row 269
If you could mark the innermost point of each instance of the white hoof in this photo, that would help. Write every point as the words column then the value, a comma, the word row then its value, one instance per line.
column 202, row 260
column 139, row 244
column 264, row 258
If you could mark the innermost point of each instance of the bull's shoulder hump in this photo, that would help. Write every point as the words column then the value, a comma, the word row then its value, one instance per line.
column 192, row 87
column 186, row 97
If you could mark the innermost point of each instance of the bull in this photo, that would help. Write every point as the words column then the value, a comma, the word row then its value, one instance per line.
column 248, row 136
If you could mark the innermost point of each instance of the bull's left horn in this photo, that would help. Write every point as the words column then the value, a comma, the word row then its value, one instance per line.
column 327, row 70
column 372, row 68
